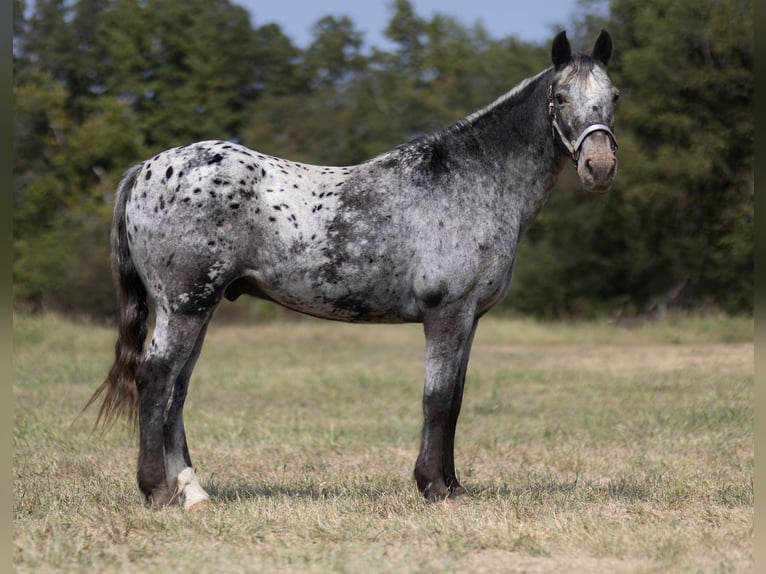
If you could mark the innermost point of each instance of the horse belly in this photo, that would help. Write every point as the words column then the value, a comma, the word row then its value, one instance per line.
column 361, row 292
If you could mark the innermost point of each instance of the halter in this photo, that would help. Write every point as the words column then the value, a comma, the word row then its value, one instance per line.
column 573, row 146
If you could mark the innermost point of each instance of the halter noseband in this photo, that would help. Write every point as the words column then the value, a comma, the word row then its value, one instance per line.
column 573, row 146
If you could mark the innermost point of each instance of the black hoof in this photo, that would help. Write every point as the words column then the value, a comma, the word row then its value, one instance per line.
column 438, row 491
column 159, row 498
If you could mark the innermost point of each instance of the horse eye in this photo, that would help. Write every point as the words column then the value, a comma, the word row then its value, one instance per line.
column 560, row 100
column 615, row 97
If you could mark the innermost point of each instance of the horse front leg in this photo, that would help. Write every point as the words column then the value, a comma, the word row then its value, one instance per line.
column 449, row 336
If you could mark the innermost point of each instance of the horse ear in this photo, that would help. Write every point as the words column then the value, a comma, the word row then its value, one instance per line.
column 561, row 52
column 602, row 51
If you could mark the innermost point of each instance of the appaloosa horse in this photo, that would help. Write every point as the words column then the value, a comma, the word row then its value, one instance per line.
column 426, row 232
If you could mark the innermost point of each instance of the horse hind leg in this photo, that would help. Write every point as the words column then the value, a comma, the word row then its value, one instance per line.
column 173, row 343
column 181, row 476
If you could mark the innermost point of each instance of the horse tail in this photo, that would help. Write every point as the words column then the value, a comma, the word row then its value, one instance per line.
column 118, row 391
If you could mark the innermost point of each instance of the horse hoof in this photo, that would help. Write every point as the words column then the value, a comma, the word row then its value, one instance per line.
column 445, row 494
column 458, row 492
column 190, row 489
column 201, row 506
column 435, row 493
column 159, row 499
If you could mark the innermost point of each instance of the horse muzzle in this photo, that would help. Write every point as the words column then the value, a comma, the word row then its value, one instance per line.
column 597, row 163
column 594, row 152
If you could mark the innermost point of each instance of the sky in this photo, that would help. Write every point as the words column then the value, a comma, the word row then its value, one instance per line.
column 528, row 20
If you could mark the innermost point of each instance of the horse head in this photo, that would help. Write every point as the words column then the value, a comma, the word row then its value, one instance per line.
column 581, row 101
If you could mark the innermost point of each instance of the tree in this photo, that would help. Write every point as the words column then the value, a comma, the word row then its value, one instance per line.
column 677, row 228
column 689, row 81
column 101, row 84
column 198, row 71
column 277, row 63
column 334, row 56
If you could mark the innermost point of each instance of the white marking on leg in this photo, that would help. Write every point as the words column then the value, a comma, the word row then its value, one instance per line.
column 188, row 486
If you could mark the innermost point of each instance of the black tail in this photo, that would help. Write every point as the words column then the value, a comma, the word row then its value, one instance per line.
column 118, row 391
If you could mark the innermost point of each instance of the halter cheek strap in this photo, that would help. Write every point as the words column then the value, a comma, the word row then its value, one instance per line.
column 573, row 146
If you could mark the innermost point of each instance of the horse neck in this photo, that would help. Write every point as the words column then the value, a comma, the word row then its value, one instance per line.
column 512, row 139
column 516, row 127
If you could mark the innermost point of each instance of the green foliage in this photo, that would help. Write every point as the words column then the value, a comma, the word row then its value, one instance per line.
column 678, row 226
column 335, row 54
column 101, row 84
column 187, row 69
column 690, row 106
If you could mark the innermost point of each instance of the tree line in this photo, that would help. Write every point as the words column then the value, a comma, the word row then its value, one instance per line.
column 102, row 84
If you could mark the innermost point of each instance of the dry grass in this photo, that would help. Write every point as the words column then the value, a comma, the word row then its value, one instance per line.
column 586, row 448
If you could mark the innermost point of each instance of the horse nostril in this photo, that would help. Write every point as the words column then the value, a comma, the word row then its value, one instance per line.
column 589, row 165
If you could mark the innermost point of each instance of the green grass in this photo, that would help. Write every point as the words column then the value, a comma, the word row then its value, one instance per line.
column 585, row 448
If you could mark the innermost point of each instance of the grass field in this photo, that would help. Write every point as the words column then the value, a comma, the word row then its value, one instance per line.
column 584, row 447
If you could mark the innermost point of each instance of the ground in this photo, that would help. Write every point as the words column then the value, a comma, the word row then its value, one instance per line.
column 585, row 448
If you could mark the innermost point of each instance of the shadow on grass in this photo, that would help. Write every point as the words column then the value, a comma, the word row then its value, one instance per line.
column 234, row 492
column 536, row 490
column 546, row 489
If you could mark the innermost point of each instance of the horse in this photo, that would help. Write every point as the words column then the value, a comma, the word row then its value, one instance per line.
column 426, row 232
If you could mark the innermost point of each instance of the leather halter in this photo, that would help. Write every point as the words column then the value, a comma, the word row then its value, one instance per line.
column 573, row 146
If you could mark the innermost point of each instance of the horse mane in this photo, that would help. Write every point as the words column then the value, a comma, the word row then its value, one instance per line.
column 581, row 66
column 429, row 155
column 429, row 151
column 516, row 94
